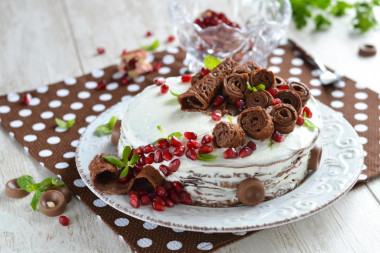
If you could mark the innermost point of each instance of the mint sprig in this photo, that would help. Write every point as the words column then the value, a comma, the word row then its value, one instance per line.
column 124, row 163
column 65, row 124
column 152, row 46
column 206, row 157
column 255, row 88
column 229, row 118
column 167, row 137
column 308, row 123
column 106, row 128
column 174, row 94
column 211, row 62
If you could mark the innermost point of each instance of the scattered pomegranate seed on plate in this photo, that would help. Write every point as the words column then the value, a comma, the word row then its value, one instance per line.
column 216, row 115
column 145, row 200
column 192, row 144
column 251, row 145
column 134, row 201
column 174, row 165
column 27, row 98
column 191, row 154
column 157, row 66
column 230, row 153
column 171, row 38
column 158, row 206
column 100, row 50
column 148, row 34
column 165, row 170
column 64, row 220
column 186, row 78
column 300, row 121
column 101, row 85
column 164, row 89
column 190, row 135
column 205, row 149
column 178, row 187
column 126, row 80
column 245, row 151
column 161, row 191
column 168, row 202
column 277, row 137
column 159, row 81
column 174, row 196
column 206, row 139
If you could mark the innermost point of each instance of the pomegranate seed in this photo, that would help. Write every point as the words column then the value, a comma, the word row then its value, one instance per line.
column 137, row 168
column 251, row 145
column 277, row 101
column 273, row 91
column 230, row 153
column 165, row 170
column 300, row 121
column 205, row 149
column 148, row 34
column 126, row 179
column 185, row 198
column 168, row 185
column 26, row 99
column 159, row 199
column 218, row 100
column 206, row 139
column 158, row 206
column 190, row 135
column 161, row 144
column 64, row 220
column 142, row 161
column 191, row 154
column 145, row 200
column 171, row 38
column 192, row 144
column 157, row 66
column 174, row 142
column 167, row 154
column 159, row 81
column 186, row 78
column 132, row 193
column 141, row 193
column 205, row 71
column 216, row 115
column 126, row 80
column 101, row 50
column 138, row 151
column 284, row 87
column 164, row 89
column 174, row 165
column 309, row 114
column 174, row 197
column 149, row 148
column 179, row 151
column 161, row 191
column 124, row 52
column 158, row 156
column 277, row 137
column 245, row 151
column 101, row 85
column 240, row 105
column 152, row 195
column 149, row 159
column 168, row 202
column 178, row 187
column 134, row 201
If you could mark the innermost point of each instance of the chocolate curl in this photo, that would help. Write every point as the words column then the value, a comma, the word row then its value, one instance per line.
column 302, row 90
column 262, row 76
column 260, row 98
column 196, row 77
column 234, row 87
column 148, row 179
column 228, row 135
column 256, row 123
column 224, row 69
column 284, row 118
column 290, row 97
column 246, row 67
column 105, row 176
column 280, row 81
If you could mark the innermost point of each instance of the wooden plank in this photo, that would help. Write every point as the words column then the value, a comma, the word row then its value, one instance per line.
column 374, row 187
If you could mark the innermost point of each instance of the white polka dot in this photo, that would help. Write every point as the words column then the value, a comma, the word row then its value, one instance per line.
column 276, row 60
column 84, row 95
column 42, row 89
column 337, row 94
column 69, row 155
column 76, row 106
column 61, row 166
column 117, row 75
column 38, row 126
column 274, row 69
column 133, row 87
column 149, row 226
column 13, row 97
column 297, row 61
column 99, row 203
column 295, row 71
column 63, row 92
column 316, row 72
column 81, row 130
column 205, row 246
column 4, row 109
column 60, row 129
column 361, row 95
column 294, row 79
column 112, row 86
column 45, row 153
column 363, row 140
column 34, row 101
column 105, row 97
column 97, row 73
column 168, row 59
column 337, row 104
column 90, row 118
column 69, row 116
column 174, row 245
column 361, row 106
column 126, row 98
column 363, row 177
column 239, row 233
column 53, row 140
column 98, row 107
column 16, row 123
column 178, row 230
column 182, row 70
column 172, row 50
column 340, row 84
column 359, row 86
column 79, row 183
column 121, row 222
column 361, row 128
column 315, row 82
column 164, row 70
column 55, row 104
column 144, row 242
column 361, row 116
column 11, row 134
column 139, row 79
column 279, row 51
column 91, row 85
column 30, row 138
column 315, row 92
column 74, row 143
column 149, row 57
column 25, row 112
column 70, row 81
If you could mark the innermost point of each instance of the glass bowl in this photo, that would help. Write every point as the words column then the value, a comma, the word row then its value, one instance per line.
column 263, row 24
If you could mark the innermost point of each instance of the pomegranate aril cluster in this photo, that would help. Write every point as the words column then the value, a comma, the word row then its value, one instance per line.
column 247, row 150
column 212, row 18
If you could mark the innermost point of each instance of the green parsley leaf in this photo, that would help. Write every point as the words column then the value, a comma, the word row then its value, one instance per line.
column 339, row 9
column 211, row 62
column 206, row 157
column 124, row 173
column 229, row 118
column 36, row 198
column 114, row 160
column 64, row 124
column 106, row 128
column 26, row 183
column 174, row 94
column 152, row 46
column 260, row 87
column 321, row 22
column 126, row 153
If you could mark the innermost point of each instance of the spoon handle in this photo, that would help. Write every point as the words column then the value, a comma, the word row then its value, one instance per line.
column 306, row 56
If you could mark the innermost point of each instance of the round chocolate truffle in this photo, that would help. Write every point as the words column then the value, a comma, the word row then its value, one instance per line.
column 315, row 158
column 250, row 192
column 52, row 203
column 65, row 191
column 367, row 50
column 13, row 190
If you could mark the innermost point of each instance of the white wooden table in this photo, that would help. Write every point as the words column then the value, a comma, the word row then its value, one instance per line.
column 44, row 41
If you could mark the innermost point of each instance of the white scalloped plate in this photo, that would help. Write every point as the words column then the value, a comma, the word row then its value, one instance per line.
column 340, row 167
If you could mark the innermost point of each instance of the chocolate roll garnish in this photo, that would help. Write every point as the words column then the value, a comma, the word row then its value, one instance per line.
column 234, row 87
column 250, row 192
column 284, row 118
column 260, row 98
column 148, row 179
column 302, row 90
column 196, row 77
column 246, row 67
column 228, row 135
column 290, row 97
column 105, row 177
column 262, row 76
column 115, row 135
column 280, row 81
column 256, row 123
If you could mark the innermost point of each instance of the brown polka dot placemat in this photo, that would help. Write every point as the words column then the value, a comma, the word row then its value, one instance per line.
column 33, row 126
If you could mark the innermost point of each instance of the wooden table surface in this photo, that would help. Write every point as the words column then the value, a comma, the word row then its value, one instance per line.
column 44, row 41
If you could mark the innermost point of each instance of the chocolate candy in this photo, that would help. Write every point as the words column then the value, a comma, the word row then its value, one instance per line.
column 315, row 158
column 115, row 136
column 367, row 50
column 52, row 203
column 12, row 190
column 65, row 191
column 250, row 192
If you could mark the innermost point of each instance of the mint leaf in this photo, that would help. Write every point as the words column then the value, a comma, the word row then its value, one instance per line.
column 114, row 160
column 206, row 157
column 36, row 198
column 26, row 182
column 161, row 130
column 365, row 18
column 176, row 134
column 152, row 46
column 133, row 160
column 124, row 173
column 340, row 8
column 321, row 22
column 260, row 87
column 174, row 94
column 229, row 118
column 251, row 88
column 64, row 124
column 211, row 62
column 310, row 125
column 271, row 144
column 126, row 153
column 106, row 128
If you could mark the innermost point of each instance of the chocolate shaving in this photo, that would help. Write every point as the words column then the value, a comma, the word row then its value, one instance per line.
column 228, row 135
column 284, row 118
column 105, row 176
column 196, row 77
column 234, row 87
column 256, row 123
column 262, row 76
column 280, row 81
column 302, row 90
column 246, row 67
column 260, row 98
column 290, row 97
column 148, row 179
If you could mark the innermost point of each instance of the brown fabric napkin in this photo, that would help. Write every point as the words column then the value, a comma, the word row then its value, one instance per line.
column 33, row 126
